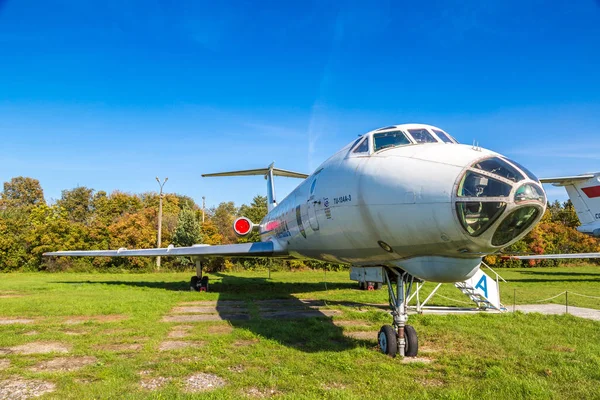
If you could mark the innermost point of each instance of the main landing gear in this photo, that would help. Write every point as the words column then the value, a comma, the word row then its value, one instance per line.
column 199, row 283
column 400, row 338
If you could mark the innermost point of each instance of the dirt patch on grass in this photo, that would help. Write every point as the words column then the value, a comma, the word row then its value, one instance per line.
column 4, row 364
column 411, row 360
column 219, row 329
column 178, row 344
column 95, row 318
column 203, row 382
column 350, row 323
column 430, row 382
column 63, row 364
column 15, row 320
column 333, row 386
column 10, row 296
column 20, row 389
column 237, row 368
column 205, row 317
column 180, row 331
column 261, row 393
column 245, row 342
column 366, row 335
column 31, row 333
column 119, row 347
column 154, row 383
column 299, row 314
column 37, row 348
column 72, row 332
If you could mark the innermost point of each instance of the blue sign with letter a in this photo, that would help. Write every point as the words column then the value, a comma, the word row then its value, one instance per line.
column 482, row 284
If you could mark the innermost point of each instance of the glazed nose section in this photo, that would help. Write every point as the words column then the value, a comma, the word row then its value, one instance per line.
column 498, row 201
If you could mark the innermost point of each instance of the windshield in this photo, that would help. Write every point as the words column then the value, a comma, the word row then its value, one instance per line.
column 477, row 185
column 389, row 139
column 514, row 224
column 499, row 167
column 476, row 217
column 422, row 136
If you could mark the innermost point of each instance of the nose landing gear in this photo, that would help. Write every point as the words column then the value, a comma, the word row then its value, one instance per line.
column 401, row 338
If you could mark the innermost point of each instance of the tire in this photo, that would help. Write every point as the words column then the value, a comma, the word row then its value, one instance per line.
column 411, row 341
column 194, row 284
column 388, row 341
column 377, row 285
column 361, row 285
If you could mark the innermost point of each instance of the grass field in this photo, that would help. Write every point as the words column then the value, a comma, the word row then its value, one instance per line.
column 126, row 336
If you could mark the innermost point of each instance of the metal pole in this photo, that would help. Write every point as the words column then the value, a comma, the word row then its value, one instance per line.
column 160, row 202
column 566, row 301
column 203, row 207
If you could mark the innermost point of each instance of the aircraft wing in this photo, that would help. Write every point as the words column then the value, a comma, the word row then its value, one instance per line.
column 552, row 256
column 258, row 249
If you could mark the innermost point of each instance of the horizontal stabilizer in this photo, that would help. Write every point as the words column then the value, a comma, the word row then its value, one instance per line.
column 258, row 249
column 260, row 171
column 563, row 180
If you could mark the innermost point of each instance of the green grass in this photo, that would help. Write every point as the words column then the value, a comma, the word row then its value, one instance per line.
column 507, row 356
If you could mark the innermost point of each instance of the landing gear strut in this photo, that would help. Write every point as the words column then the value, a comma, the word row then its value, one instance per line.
column 401, row 338
column 199, row 283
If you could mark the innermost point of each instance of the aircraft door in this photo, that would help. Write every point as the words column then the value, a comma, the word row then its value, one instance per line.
column 312, row 204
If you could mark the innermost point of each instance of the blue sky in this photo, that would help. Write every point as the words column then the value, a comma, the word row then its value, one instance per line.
column 109, row 94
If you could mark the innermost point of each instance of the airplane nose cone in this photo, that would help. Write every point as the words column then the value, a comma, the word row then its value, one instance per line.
column 498, row 201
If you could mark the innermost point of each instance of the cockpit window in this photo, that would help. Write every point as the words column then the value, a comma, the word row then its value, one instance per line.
column 514, row 224
column 527, row 172
column 477, row 185
column 422, row 136
column 477, row 217
column 529, row 192
column 363, row 147
column 444, row 137
column 389, row 139
column 499, row 167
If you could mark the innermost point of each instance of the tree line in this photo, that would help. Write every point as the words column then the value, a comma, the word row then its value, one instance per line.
column 86, row 219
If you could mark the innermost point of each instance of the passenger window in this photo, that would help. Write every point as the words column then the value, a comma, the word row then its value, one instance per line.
column 363, row 147
column 422, row 136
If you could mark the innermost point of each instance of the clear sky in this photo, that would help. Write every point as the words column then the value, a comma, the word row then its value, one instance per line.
column 108, row 94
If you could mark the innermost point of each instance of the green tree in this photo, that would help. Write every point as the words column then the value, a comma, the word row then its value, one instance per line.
column 222, row 217
column 187, row 232
column 22, row 192
column 256, row 211
column 77, row 203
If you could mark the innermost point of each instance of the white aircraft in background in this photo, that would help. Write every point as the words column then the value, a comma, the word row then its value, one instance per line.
column 399, row 204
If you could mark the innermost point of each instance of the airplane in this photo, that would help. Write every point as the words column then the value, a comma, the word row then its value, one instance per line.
column 400, row 204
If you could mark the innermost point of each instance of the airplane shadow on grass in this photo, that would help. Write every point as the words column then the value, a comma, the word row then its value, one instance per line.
column 270, row 310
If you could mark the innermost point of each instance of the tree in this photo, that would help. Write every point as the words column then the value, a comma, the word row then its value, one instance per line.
column 187, row 232
column 22, row 192
column 77, row 203
column 256, row 211
column 222, row 217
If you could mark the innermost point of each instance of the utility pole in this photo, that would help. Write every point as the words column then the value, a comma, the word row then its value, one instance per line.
column 160, row 199
column 203, row 206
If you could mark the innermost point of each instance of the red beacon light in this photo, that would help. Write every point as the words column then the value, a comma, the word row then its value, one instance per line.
column 242, row 226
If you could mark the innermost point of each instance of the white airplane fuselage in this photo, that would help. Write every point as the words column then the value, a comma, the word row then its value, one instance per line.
column 398, row 207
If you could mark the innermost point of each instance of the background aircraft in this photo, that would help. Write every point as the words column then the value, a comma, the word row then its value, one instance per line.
column 400, row 204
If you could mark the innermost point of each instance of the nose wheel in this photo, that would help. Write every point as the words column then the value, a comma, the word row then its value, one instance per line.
column 400, row 338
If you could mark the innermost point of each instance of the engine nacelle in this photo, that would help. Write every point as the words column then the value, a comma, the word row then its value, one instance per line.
column 242, row 226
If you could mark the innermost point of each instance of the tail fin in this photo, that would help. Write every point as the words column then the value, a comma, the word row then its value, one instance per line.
column 584, row 192
column 268, row 173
